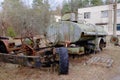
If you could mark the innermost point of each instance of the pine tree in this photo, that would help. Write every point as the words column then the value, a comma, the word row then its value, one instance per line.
column 41, row 9
column 66, row 8
column 118, row 1
column 86, row 3
column 96, row 2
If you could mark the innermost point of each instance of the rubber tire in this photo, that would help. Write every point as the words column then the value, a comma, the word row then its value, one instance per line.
column 89, row 50
column 63, row 60
column 3, row 48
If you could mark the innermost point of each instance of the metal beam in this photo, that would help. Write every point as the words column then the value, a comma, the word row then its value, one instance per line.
column 115, row 18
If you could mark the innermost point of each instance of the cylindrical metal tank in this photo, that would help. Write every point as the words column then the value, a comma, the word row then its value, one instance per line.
column 63, row 31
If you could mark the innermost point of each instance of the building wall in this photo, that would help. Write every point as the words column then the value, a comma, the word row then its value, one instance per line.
column 96, row 16
column 57, row 18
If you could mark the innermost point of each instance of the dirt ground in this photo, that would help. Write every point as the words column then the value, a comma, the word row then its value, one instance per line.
column 77, row 69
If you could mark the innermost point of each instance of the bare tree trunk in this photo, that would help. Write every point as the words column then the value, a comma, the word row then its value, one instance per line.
column 3, row 29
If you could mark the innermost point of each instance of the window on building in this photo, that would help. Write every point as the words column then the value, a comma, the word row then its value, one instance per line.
column 118, row 27
column 104, row 14
column 86, row 15
column 118, row 12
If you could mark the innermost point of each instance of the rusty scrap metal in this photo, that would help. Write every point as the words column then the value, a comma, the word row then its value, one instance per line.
column 102, row 61
column 21, row 60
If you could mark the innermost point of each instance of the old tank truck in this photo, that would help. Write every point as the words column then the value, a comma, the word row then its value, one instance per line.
column 70, row 33
column 61, row 37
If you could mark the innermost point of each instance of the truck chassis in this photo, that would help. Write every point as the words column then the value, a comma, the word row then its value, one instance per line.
column 26, row 55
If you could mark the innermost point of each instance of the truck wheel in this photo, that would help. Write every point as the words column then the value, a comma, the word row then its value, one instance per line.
column 63, row 60
column 3, row 48
column 89, row 48
column 102, row 44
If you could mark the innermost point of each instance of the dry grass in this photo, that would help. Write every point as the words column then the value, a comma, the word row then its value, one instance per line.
column 77, row 69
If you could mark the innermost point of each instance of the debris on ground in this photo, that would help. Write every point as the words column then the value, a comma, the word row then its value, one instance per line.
column 102, row 61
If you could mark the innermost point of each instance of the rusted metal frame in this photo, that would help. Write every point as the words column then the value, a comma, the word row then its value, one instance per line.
column 16, row 59
column 21, row 60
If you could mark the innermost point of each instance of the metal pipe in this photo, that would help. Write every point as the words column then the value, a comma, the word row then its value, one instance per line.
column 115, row 18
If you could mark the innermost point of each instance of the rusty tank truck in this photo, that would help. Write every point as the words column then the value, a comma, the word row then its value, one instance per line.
column 60, row 38
column 70, row 33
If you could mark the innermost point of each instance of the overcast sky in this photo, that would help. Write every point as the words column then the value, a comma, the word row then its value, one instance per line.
column 1, row 1
column 54, row 3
